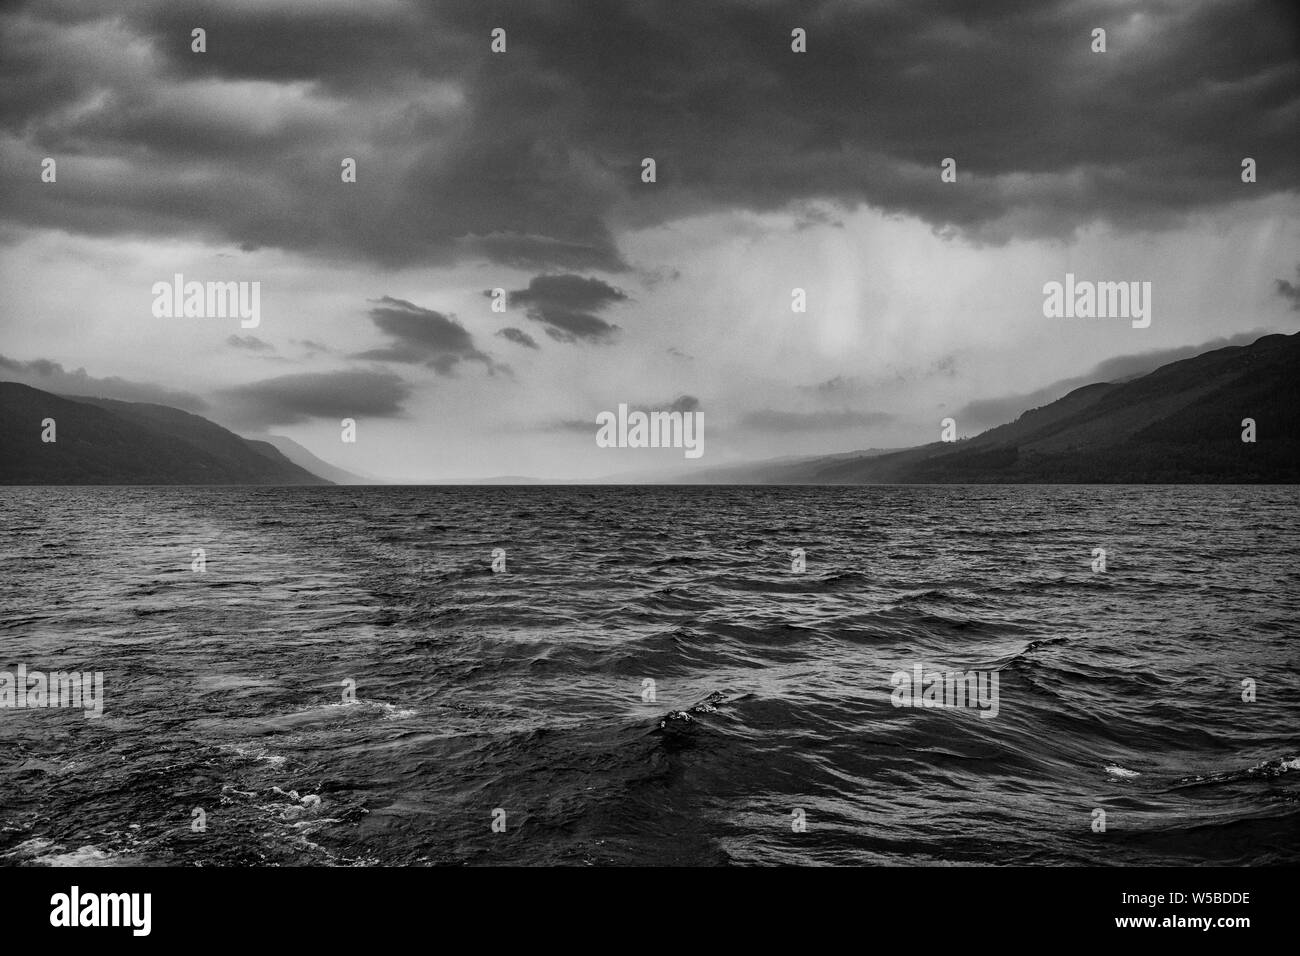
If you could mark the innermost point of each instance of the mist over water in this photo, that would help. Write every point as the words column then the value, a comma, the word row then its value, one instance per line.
column 523, row 690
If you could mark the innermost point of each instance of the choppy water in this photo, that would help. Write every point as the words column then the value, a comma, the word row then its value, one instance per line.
column 523, row 690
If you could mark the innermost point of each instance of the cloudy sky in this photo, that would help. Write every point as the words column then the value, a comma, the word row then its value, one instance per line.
column 522, row 171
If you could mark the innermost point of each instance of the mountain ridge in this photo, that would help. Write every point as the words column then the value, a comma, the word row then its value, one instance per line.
column 1180, row 423
column 305, row 459
column 106, row 441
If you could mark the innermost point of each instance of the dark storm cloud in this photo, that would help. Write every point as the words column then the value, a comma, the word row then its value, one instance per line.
column 422, row 337
column 53, row 377
column 811, row 216
column 564, row 305
column 519, row 337
column 1290, row 290
column 989, row 412
column 565, row 325
column 848, row 388
column 532, row 157
column 774, row 420
column 250, row 342
column 538, row 252
column 839, row 385
column 682, row 403
column 567, row 291
column 289, row 399
column 578, row 425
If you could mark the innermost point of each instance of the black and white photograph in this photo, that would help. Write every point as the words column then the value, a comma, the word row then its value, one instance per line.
column 650, row 436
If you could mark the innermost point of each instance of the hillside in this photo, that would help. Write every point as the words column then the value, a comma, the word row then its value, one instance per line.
column 303, row 458
column 1179, row 423
column 102, row 441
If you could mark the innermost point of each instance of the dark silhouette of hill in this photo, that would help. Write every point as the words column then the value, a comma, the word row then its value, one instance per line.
column 1179, row 423
column 305, row 459
column 103, row 441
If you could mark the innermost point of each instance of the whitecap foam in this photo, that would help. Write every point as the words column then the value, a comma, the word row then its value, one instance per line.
column 28, row 849
column 260, row 754
column 1117, row 771
column 42, row 852
column 390, row 711
column 331, row 711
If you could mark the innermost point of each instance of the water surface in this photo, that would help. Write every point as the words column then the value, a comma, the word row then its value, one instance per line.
column 524, row 691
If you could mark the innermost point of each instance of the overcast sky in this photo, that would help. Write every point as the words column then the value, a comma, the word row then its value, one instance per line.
column 522, row 171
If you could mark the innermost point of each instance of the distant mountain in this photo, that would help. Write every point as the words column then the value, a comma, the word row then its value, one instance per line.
column 304, row 459
column 1180, row 423
column 107, row 442
column 774, row 471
